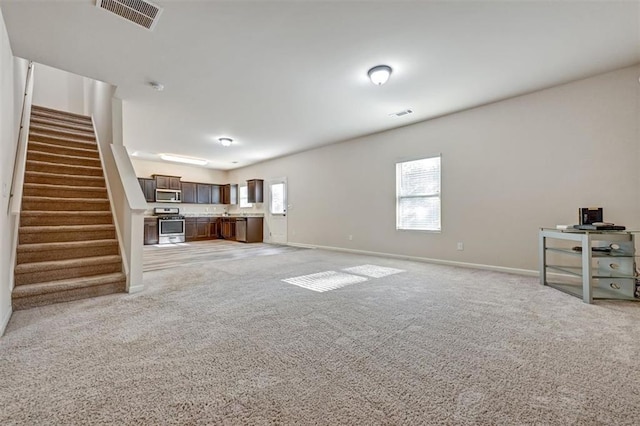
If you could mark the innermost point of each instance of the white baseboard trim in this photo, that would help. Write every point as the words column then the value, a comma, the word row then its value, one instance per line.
column 5, row 321
column 505, row 269
column 136, row 288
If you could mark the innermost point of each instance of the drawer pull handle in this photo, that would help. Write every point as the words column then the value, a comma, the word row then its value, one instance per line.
column 615, row 286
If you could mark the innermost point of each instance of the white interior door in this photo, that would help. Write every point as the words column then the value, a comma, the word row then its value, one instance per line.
column 277, row 215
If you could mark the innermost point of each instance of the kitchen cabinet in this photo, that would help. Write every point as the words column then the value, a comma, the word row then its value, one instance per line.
column 216, row 194
column 249, row 229
column 190, row 229
column 255, row 230
column 255, row 191
column 167, row 182
column 228, row 230
column 189, row 192
column 214, row 228
column 150, row 230
column 148, row 187
column 202, row 228
column 203, row 193
column 230, row 194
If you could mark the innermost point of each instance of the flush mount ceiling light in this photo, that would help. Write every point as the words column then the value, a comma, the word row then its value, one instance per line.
column 380, row 74
column 225, row 141
column 186, row 160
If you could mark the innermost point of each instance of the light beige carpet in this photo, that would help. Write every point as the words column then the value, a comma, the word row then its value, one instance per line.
column 231, row 343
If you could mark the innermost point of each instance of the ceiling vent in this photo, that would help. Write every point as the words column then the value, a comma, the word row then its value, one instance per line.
column 139, row 12
column 401, row 113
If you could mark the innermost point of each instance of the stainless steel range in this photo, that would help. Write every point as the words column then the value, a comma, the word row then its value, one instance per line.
column 170, row 225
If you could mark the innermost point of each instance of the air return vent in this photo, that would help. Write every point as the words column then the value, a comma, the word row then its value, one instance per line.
column 401, row 113
column 139, row 12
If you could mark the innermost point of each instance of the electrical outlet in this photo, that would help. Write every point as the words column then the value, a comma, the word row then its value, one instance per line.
column 5, row 190
column 460, row 246
column 350, row 237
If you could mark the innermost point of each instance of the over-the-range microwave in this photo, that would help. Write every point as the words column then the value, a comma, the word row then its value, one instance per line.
column 168, row 196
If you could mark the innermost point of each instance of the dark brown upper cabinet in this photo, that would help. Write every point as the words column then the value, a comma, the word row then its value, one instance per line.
column 230, row 194
column 189, row 192
column 203, row 191
column 167, row 182
column 148, row 189
column 255, row 191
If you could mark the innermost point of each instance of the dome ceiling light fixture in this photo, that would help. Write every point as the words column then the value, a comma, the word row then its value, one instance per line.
column 225, row 141
column 379, row 74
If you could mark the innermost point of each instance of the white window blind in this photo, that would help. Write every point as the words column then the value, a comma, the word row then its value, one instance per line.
column 418, row 194
column 244, row 196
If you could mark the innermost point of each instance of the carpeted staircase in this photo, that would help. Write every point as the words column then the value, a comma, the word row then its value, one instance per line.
column 67, row 245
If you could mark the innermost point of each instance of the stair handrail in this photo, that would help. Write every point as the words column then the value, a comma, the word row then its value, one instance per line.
column 20, row 161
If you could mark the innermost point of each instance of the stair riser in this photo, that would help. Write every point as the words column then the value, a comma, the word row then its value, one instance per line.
column 20, row 303
column 64, row 192
column 58, row 237
column 64, row 160
column 62, row 133
column 62, row 169
column 62, row 123
column 64, row 205
column 63, row 150
column 97, row 181
column 65, row 220
column 63, row 274
column 66, row 253
column 62, row 142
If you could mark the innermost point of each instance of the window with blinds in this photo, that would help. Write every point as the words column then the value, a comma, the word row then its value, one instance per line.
column 418, row 195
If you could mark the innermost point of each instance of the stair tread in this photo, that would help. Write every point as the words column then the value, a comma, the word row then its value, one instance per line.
column 66, row 213
column 61, row 138
column 59, row 112
column 62, row 121
column 47, row 265
column 52, row 128
column 63, row 199
column 47, row 174
column 46, row 163
column 67, row 244
column 40, row 144
column 26, row 290
column 66, row 228
column 62, row 156
column 61, row 187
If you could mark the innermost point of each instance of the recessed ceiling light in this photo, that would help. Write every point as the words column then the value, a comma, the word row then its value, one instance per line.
column 225, row 141
column 181, row 159
column 234, row 162
column 380, row 74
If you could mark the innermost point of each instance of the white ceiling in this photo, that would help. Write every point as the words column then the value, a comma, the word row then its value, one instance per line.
column 285, row 76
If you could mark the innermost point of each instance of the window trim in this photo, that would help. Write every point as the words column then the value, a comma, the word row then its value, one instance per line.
column 436, row 195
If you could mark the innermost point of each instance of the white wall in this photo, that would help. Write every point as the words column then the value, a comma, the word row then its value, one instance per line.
column 57, row 89
column 508, row 168
column 146, row 168
column 13, row 73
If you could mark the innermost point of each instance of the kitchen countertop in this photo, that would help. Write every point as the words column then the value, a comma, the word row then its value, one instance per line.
column 221, row 215
column 150, row 216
